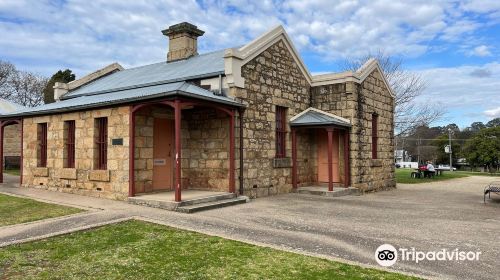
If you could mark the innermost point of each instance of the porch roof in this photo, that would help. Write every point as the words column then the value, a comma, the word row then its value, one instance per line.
column 316, row 117
column 182, row 89
column 7, row 106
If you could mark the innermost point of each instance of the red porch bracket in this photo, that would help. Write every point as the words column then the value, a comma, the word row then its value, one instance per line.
column 131, row 151
column 21, row 157
column 1, row 150
column 330, row 160
column 231, row 154
column 347, row 169
column 178, row 147
column 294, row 158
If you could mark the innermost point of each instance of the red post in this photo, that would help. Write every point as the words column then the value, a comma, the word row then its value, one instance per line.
column 330, row 149
column 231, row 153
column 177, row 109
column 21, row 158
column 131, row 152
column 347, row 173
column 1, row 152
column 294, row 158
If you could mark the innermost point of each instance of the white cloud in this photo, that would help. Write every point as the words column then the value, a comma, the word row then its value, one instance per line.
column 481, row 51
column 493, row 113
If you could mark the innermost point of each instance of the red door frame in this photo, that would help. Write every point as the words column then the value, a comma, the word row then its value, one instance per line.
column 3, row 124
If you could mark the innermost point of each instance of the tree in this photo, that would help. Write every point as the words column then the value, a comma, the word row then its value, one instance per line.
column 493, row 123
column 407, row 87
column 60, row 76
column 476, row 126
column 484, row 148
column 21, row 87
column 442, row 157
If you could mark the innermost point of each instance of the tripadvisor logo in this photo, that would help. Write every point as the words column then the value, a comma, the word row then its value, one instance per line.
column 387, row 255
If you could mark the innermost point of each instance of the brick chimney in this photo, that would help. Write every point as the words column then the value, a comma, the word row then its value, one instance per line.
column 182, row 39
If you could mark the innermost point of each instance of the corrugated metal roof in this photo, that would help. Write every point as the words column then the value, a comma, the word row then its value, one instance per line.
column 313, row 117
column 124, row 96
column 7, row 106
column 204, row 65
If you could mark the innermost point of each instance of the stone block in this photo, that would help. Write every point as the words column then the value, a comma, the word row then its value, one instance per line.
column 99, row 175
column 68, row 173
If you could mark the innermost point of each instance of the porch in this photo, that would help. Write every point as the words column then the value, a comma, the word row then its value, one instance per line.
column 184, row 153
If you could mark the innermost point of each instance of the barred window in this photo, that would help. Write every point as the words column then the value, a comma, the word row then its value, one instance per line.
column 69, row 141
column 280, row 132
column 101, row 143
column 42, row 145
column 374, row 136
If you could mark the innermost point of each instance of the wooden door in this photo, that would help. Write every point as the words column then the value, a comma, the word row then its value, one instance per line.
column 163, row 154
column 323, row 156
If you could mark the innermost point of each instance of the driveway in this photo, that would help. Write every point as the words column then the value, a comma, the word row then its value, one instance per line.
column 429, row 217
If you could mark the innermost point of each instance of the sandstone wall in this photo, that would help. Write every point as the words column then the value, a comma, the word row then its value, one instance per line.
column 111, row 183
column 272, row 78
column 11, row 142
column 357, row 102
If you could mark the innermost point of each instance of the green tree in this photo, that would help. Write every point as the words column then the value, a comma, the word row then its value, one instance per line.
column 441, row 157
column 60, row 76
column 493, row 122
column 484, row 148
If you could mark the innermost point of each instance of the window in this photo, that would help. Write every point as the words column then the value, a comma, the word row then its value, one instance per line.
column 374, row 136
column 42, row 145
column 101, row 143
column 69, row 144
column 280, row 132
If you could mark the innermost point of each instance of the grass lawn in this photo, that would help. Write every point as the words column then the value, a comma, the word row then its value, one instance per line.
column 16, row 210
column 403, row 176
column 140, row 250
column 12, row 171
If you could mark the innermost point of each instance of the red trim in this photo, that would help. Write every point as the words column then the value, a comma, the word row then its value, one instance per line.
column 280, row 132
column 178, row 148
column 1, row 152
column 294, row 158
column 70, row 144
column 22, row 157
column 347, row 175
column 102, row 143
column 330, row 160
column 131, row 152
column 374, row 136
column 42, row 144
column 231, row 154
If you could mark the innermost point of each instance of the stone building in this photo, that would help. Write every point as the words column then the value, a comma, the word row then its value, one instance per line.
column 11, row 131
column 250, row 120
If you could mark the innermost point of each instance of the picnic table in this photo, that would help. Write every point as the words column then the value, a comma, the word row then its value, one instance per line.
column 421, row 173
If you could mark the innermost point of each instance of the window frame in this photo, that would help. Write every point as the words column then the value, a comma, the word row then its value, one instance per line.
column 69, row 143
column 280, row 131
column 101, row 143
column 374, row 136
column 42, row 131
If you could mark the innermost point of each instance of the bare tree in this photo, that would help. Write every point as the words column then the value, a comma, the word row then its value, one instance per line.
column 407, row 86
column 22, row 87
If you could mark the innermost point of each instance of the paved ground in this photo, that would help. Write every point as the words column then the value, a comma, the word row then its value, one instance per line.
column 429, row 217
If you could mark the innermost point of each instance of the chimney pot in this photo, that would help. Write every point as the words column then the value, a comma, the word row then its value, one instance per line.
column 182, row 40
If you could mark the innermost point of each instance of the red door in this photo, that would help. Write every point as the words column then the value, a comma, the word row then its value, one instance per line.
column 163, row 154
column 323, row 156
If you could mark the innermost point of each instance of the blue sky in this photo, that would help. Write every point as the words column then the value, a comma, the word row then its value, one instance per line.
column 453, row 45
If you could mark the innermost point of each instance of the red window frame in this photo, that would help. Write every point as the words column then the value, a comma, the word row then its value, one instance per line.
column 42, row 144
column 374, row 136
column 70, row 144
column 101, row 141
column 281, row 132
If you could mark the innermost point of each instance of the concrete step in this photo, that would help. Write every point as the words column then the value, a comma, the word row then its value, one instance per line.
column 206, row 199
column 212, row 204
column 324, row 191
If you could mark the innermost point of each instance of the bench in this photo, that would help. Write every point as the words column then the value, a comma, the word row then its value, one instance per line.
column 493, row 187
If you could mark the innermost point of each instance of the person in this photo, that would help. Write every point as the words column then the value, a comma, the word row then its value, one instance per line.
column 430, row 170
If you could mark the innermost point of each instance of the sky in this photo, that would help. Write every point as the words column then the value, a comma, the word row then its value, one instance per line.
column 453, row 45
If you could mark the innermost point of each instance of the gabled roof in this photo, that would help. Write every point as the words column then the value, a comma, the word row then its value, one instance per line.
column 204, row 65
column 127, row 95
column 316, row 117
column 7, row 106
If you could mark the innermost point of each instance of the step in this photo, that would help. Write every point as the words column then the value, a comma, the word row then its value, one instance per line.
column 206, row 199
column 212, row 205
column 324, row 192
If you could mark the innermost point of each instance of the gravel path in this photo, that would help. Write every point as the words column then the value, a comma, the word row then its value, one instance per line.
column 440, row 215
